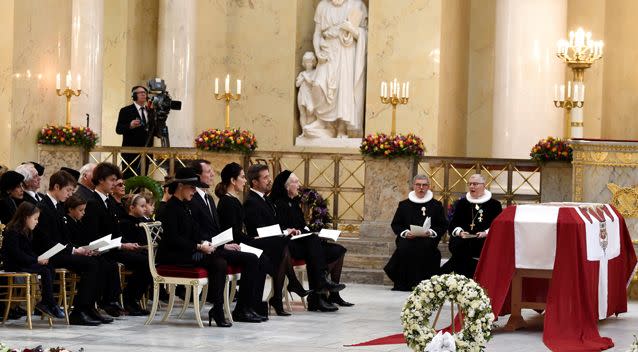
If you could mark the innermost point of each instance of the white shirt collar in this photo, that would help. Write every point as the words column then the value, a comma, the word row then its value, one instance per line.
column 31, row 193
column 480, row 200
column 256, row 191
column 55, row 201
column 414, row 199
column 102, row 195
column 137, row 107
column 201, row 193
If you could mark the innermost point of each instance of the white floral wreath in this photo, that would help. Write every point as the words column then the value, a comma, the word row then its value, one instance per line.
column 431, row 294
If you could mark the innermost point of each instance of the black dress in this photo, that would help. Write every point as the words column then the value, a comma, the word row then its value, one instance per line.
column 471, row 218
column 8, row 207
column 419, row 258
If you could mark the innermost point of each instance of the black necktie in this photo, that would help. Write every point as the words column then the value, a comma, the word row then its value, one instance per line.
column 142, row 116
column 37, row 197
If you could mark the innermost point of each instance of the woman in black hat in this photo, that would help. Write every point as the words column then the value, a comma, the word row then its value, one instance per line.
column 181, row 242
column 11, row 194
column 285, row 196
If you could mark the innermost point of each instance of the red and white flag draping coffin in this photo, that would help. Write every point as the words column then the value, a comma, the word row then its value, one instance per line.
column 572, row 296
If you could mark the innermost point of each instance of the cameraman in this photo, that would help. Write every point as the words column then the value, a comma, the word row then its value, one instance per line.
column 134, row 123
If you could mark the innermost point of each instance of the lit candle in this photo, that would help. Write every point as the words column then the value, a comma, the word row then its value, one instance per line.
column 239, row 86
column 396, row 87
column 403, row 90
column 407, row 90
column 227, row 84
column 68, row 79
column 571, row 38
column 381, row 94
column 385, row 89
column 562, row 92
column 582, row 92
column 555, row 92
column 79, row 82
column 216, row 85
column 569, row 89
column 57, row 81
column 576, row 96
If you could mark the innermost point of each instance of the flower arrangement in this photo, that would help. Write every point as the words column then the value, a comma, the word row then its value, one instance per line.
column 430, row 294
column 233, row 140
column 317, row 207
column 380, row 144
column 5, row 348
column 551, row 149
column 69, row 136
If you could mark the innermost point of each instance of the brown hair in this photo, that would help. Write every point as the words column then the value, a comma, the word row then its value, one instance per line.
column 104, row 170
column 18, row 222
column 131, row 199
column 62, row 179
column 252, row 174
column 73, row 202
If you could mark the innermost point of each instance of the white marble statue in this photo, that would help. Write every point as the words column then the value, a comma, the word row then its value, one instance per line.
column 304, row 96
column 338, row 82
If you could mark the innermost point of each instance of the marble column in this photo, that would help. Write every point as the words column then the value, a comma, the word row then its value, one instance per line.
column 526, row 70
column 86, row 60
column 175, row 64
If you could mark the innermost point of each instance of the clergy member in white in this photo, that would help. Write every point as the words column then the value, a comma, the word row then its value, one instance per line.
column 417, row 256
column 469, row 226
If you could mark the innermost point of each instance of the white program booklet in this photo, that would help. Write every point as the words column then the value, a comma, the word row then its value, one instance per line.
column 269, row 231
column 100, row 242
column 421, row 231
column 328, row 234
column 250, row 249
column 114, row 243
column 301, row 236
column 51, row 252
column 222, row 238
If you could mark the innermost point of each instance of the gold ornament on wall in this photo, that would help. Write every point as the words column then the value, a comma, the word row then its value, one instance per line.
column 625, row 199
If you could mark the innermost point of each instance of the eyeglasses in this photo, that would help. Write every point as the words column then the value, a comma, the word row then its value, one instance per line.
column 119, row 185
column 421, row 185
column 475, row 183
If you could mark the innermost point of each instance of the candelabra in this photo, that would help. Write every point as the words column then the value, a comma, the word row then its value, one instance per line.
column 579, row 53
column 227, row 96
column 395, row 98
column 68, row 93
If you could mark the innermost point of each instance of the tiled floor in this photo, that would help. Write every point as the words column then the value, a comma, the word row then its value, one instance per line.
column 376, row 314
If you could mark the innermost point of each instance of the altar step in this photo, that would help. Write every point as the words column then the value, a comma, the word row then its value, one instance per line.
column 366, row 258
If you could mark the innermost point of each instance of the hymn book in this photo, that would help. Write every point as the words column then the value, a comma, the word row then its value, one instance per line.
column 51, row 252
column 222, row 238
column 250, row 249
column 329, row 234
column 302, row 235
column 269, row 231
column 422, row 231
column 114, row 243
column 100, row 242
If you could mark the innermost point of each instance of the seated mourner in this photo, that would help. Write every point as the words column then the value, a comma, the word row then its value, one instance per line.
column 469, row 226
column 417, row 256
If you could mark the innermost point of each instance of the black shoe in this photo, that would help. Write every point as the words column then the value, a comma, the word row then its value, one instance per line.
column 44, row 308
column 133, row 309
column 219, row 318
column 245, row 316
column 17, row 313
column 113, row 309
column 298, row 289
column 262, row 309
column 336, row 299
column 57, row 311
column 329, row 285
column 81, row 318
column 253, row 312
column 278, row 307
column 95, row 315
column 318, row 303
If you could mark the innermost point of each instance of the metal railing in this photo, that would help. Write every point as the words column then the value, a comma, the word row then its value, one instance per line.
column 340, row 178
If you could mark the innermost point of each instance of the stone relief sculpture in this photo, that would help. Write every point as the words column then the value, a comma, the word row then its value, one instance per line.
column 334, row 105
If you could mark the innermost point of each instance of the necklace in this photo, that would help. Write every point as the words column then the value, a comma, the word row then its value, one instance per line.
column 478, row 216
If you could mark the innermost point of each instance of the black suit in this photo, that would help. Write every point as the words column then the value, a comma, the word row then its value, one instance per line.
column 101, row 221
column 83, row 192
column 51, row 230
column 28, row 198
column 8, row 207
column 133, row 137
column 18, row 254
column 253, row 277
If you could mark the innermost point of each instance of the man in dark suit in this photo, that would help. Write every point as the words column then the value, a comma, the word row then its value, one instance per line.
column 85, row 182
column 51, row 230
column 31, row 183
column 204, row 213
column 135, row 126
column 101, row 220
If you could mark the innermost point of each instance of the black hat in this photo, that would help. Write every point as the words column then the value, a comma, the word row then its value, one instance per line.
column 73, row 172
column 279, row 185
column 10, row 180
column 188, row 176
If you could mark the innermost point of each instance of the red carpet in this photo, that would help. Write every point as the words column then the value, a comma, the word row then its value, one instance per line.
column 395, row 339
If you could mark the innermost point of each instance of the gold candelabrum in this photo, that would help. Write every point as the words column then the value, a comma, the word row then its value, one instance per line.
column 399, row 94
column 227, row 96
column 579, row 52
column 68, row 92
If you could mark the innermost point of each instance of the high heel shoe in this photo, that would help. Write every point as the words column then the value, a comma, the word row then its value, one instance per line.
column 298, row 289
column 219, row 318
column 278, row 307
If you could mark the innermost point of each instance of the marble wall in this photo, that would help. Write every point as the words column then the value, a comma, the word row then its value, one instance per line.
column 404, row 42
column 6, row 79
